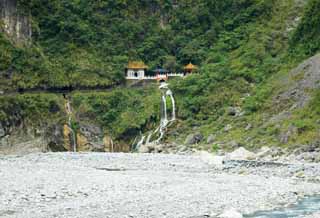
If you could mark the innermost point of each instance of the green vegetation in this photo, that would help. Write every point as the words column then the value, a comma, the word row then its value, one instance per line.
column 31, row 109
column 306, row 39
column 244, row 49
column 124, row 113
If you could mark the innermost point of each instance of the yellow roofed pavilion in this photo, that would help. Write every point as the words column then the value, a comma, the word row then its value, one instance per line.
column 191, row 67
column 137, row 65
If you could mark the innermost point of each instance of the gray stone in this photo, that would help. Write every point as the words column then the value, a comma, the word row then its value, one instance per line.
column 234, row 144
column 193, row 138
column 248, row 127
column 2, row 131
column 145, row 148
column 211, row 139
column 227, row 128
column 264, row 152
column 234, row 111
column 241, row 154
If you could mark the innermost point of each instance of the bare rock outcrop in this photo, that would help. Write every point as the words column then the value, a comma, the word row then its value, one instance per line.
column 302, row 80
column 15, row 22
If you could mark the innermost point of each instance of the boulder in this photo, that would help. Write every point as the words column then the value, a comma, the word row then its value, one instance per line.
column 227, row 128
column 309, row 157
column 230, row 213
column 234, row 111
column 248, row 127
column 146, row 148
column 264, row 152
column 241, row 154
column 211, row 139
column 2, row 131
column 210, row 158
column 234, row 144
column 193, row 138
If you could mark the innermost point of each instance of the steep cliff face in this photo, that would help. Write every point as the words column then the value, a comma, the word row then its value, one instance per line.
column 15, row 22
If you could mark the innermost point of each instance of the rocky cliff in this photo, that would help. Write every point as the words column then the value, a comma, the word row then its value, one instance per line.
column 15, row 22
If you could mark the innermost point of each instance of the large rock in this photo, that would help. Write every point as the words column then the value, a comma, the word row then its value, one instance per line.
column 2, row 131
column 234, row 144
column 211, row 139
column 193, row 138
column 264, row 152
column 210, row 158
column 234, row 111
column 309, row 157
column 230, row 213
column 241, row 154
column 146, row 148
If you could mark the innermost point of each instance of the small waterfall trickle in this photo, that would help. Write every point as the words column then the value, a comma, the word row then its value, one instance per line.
column 140, row 143
column 169, row 93
column 69, row 113
column 164, row 121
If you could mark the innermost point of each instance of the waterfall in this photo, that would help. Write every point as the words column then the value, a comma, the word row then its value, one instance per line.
column 164, row 117
column 169, row 93
column 164, row 121
column 69, row 112
column 140, row 143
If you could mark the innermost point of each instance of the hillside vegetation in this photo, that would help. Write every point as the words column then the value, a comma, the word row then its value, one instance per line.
column 244, row 50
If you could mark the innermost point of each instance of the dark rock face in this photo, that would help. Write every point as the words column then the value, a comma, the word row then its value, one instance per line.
column 193, row 138
column 2, row 131
column 15, row 23
column 91, row 131
column 54, row 137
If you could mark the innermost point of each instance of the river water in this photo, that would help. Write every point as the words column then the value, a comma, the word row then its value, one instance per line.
column 304, row 207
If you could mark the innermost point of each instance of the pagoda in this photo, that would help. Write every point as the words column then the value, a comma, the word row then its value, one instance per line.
column 136, row 70
column 190, row 68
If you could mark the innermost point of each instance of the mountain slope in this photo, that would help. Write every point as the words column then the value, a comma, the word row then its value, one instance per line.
column 246, row 51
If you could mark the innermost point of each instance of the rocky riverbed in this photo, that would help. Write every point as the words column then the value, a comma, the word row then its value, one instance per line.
column 146, row 185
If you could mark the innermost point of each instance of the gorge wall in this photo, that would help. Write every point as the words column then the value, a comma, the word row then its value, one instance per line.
column 15, row 22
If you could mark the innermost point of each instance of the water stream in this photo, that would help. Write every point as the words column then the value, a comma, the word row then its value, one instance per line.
column 304, row 207
column 164, row 121
column 69, row 113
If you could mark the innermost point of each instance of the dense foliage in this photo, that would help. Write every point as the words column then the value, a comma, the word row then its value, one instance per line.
column 307, row 35
column 240, row 46
column 88, row 43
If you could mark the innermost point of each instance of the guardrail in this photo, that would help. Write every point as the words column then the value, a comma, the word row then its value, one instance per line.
column 156, row 77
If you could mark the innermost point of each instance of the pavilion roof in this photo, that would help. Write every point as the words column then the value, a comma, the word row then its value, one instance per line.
column 190, row 66
column 137, row 65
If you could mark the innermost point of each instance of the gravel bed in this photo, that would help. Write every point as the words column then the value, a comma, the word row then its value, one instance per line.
column 137, row 185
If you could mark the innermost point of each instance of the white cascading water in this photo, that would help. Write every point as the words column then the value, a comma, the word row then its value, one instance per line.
column 140, row 143
column 164, row 122
column 169, row 93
